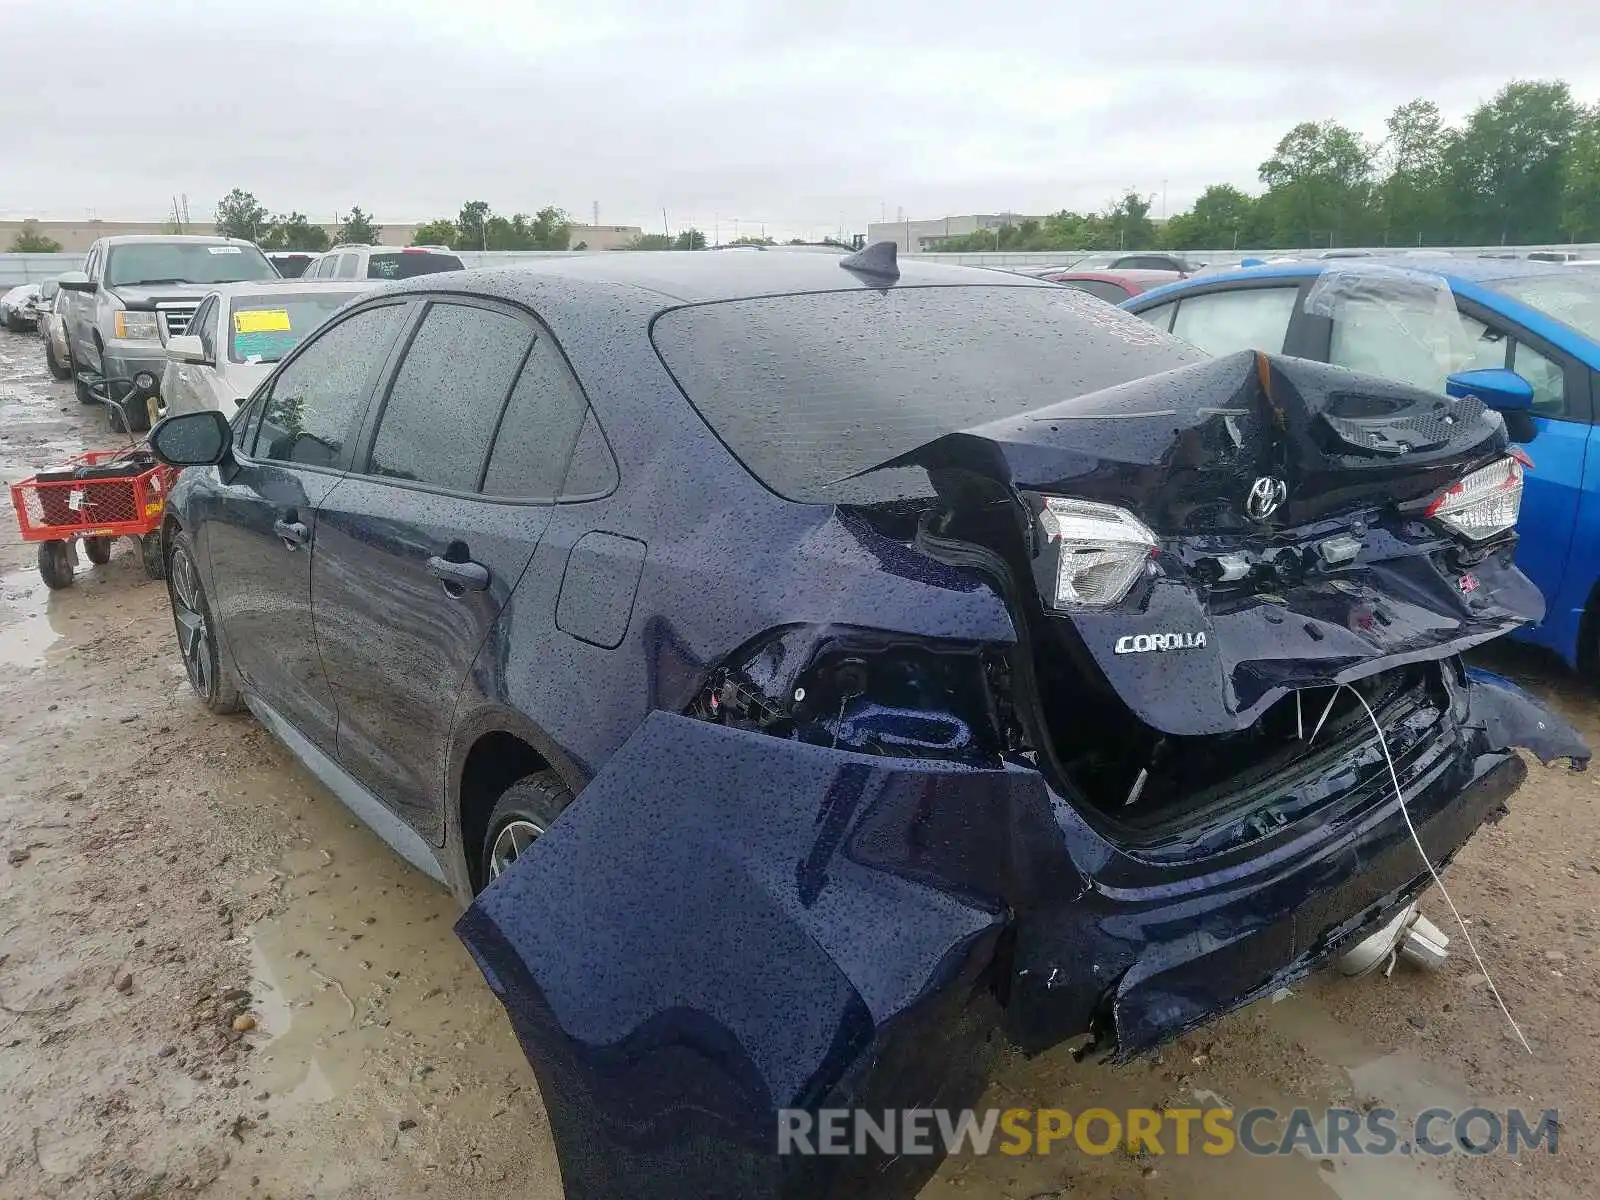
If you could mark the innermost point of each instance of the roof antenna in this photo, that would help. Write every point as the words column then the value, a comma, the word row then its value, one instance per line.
column 878, row 259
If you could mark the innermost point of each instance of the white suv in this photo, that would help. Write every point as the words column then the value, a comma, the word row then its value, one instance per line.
column 381, row 262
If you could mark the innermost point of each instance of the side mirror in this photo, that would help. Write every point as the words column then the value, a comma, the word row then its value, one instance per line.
column 196, row 439
column 76, row 281
column 1502, row 390
column 1505, row 391
column 187, row 348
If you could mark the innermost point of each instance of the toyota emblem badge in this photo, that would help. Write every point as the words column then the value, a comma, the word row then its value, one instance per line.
column 1266, row 494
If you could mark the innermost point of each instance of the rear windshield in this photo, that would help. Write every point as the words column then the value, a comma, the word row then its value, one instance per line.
column 1571, row 297
column 809, row 390
column 291, row 266
column 265, row 328
column 407, row 264
column 185, row 262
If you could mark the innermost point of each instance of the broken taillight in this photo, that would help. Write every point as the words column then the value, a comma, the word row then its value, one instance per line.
column 1484, row 503
column 1100, row 551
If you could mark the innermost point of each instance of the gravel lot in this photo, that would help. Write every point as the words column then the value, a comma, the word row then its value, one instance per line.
column 212, row 980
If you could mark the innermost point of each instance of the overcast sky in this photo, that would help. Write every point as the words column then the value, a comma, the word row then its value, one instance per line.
column 800, row 114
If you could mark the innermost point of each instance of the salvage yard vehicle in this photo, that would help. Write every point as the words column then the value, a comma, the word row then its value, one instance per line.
column 16, row 308
column 818, row 668
column 53, row 332
column 1111, row 286
column 352, row 261
column 1523, row 335
column 133, row 294
column 236, row 335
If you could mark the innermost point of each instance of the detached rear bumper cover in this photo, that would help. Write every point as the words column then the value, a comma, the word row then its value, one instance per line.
column 725, row 924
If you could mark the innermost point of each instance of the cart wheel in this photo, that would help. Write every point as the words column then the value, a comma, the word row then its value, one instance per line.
column 98, row 549
column 150, row 549
column 55, row 565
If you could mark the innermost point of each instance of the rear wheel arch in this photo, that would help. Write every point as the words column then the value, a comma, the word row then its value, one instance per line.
column 1587, row 656
column 496, row 760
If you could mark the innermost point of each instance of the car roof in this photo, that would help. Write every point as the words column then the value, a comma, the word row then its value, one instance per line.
column 257, row 287
column 699, row 277
column 1120, row 275
column 193, row 239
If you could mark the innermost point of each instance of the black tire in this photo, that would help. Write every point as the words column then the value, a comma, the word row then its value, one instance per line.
column 98, row 549
column 212, row 680
column 535, row 800
column 57, row 371
column 55, row 565
column 15, row 324
column 150, row 550
column 81, row 390
column 138, row 414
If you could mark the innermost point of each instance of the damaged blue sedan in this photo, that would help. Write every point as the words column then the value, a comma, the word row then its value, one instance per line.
column 815, row 671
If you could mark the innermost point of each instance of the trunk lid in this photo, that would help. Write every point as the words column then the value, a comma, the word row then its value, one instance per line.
column 1252, row 463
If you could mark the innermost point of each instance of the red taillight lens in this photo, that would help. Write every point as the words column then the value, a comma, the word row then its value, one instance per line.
column 1484, row 503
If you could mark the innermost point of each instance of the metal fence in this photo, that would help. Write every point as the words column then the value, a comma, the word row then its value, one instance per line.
column 35, row 268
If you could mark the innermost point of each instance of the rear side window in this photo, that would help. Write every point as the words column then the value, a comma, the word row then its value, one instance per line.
column 349, row 264
column 539, row 429
column 447, row 396
column 1247, row 319
column 1160, row 316
column 316, row 398
column 408, row 264
column 1102, row 289
column 810, row 390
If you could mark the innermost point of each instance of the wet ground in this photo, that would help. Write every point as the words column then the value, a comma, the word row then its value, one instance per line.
column 213, row 981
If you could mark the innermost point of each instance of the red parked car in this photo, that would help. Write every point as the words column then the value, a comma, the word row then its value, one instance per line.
column 1114, row 286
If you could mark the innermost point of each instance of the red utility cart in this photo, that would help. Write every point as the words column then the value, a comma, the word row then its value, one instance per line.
column 94, row 498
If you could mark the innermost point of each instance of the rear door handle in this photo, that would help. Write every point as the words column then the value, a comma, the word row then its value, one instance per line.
column 293, row 533
column 460, row 576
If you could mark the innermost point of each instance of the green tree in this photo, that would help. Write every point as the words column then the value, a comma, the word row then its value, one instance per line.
column 241, row 215
column 471, row 226
column 356, row 228
column 1223, row 218
column 1319, row 186
column 1413, row 200
column 435, row 233
column 1129, row 222
column 294, row 231
column 689, row 239
column 650, row 241
column 1506, row 166
column 1580, row 181
column 30, row 240
column 552, row 229
column 751, row 239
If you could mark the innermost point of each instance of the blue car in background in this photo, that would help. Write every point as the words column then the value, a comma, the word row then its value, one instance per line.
column 1524, row 336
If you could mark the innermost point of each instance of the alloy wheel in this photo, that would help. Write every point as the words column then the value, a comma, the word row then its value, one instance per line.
column 510, row 844
column 194, row 634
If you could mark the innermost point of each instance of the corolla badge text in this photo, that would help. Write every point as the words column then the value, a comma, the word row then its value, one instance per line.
column 1144, row 643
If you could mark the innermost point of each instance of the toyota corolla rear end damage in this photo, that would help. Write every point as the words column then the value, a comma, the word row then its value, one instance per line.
column 1146, row 792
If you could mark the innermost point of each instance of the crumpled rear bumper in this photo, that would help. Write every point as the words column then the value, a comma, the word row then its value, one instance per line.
column 725, row 925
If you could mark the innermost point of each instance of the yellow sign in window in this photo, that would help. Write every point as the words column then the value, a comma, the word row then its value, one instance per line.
column 261, row 320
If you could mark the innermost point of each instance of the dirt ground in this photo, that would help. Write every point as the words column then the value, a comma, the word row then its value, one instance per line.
column 212, row 980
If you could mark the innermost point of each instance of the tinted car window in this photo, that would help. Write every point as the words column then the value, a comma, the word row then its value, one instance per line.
column 1103, row 289
column 316, row 397
column 1248, row 319
column 809, row 390
column 592, row 471
column 1161, row 315
column 408, row 264
column 447, row 396
column 205, row 326
column 539, row 429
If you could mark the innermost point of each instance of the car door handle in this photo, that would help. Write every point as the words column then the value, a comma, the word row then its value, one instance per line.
column 465, row 576
column 293, row 533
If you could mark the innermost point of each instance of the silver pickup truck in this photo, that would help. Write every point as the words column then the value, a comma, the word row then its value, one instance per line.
column 132, row 295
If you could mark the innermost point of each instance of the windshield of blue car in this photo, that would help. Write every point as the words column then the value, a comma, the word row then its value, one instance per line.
column 262, row 329
column 1571, row 297
column 179, row 262
column 810, row 390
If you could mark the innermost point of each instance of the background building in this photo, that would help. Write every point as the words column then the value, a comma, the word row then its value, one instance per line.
column 914, row 237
